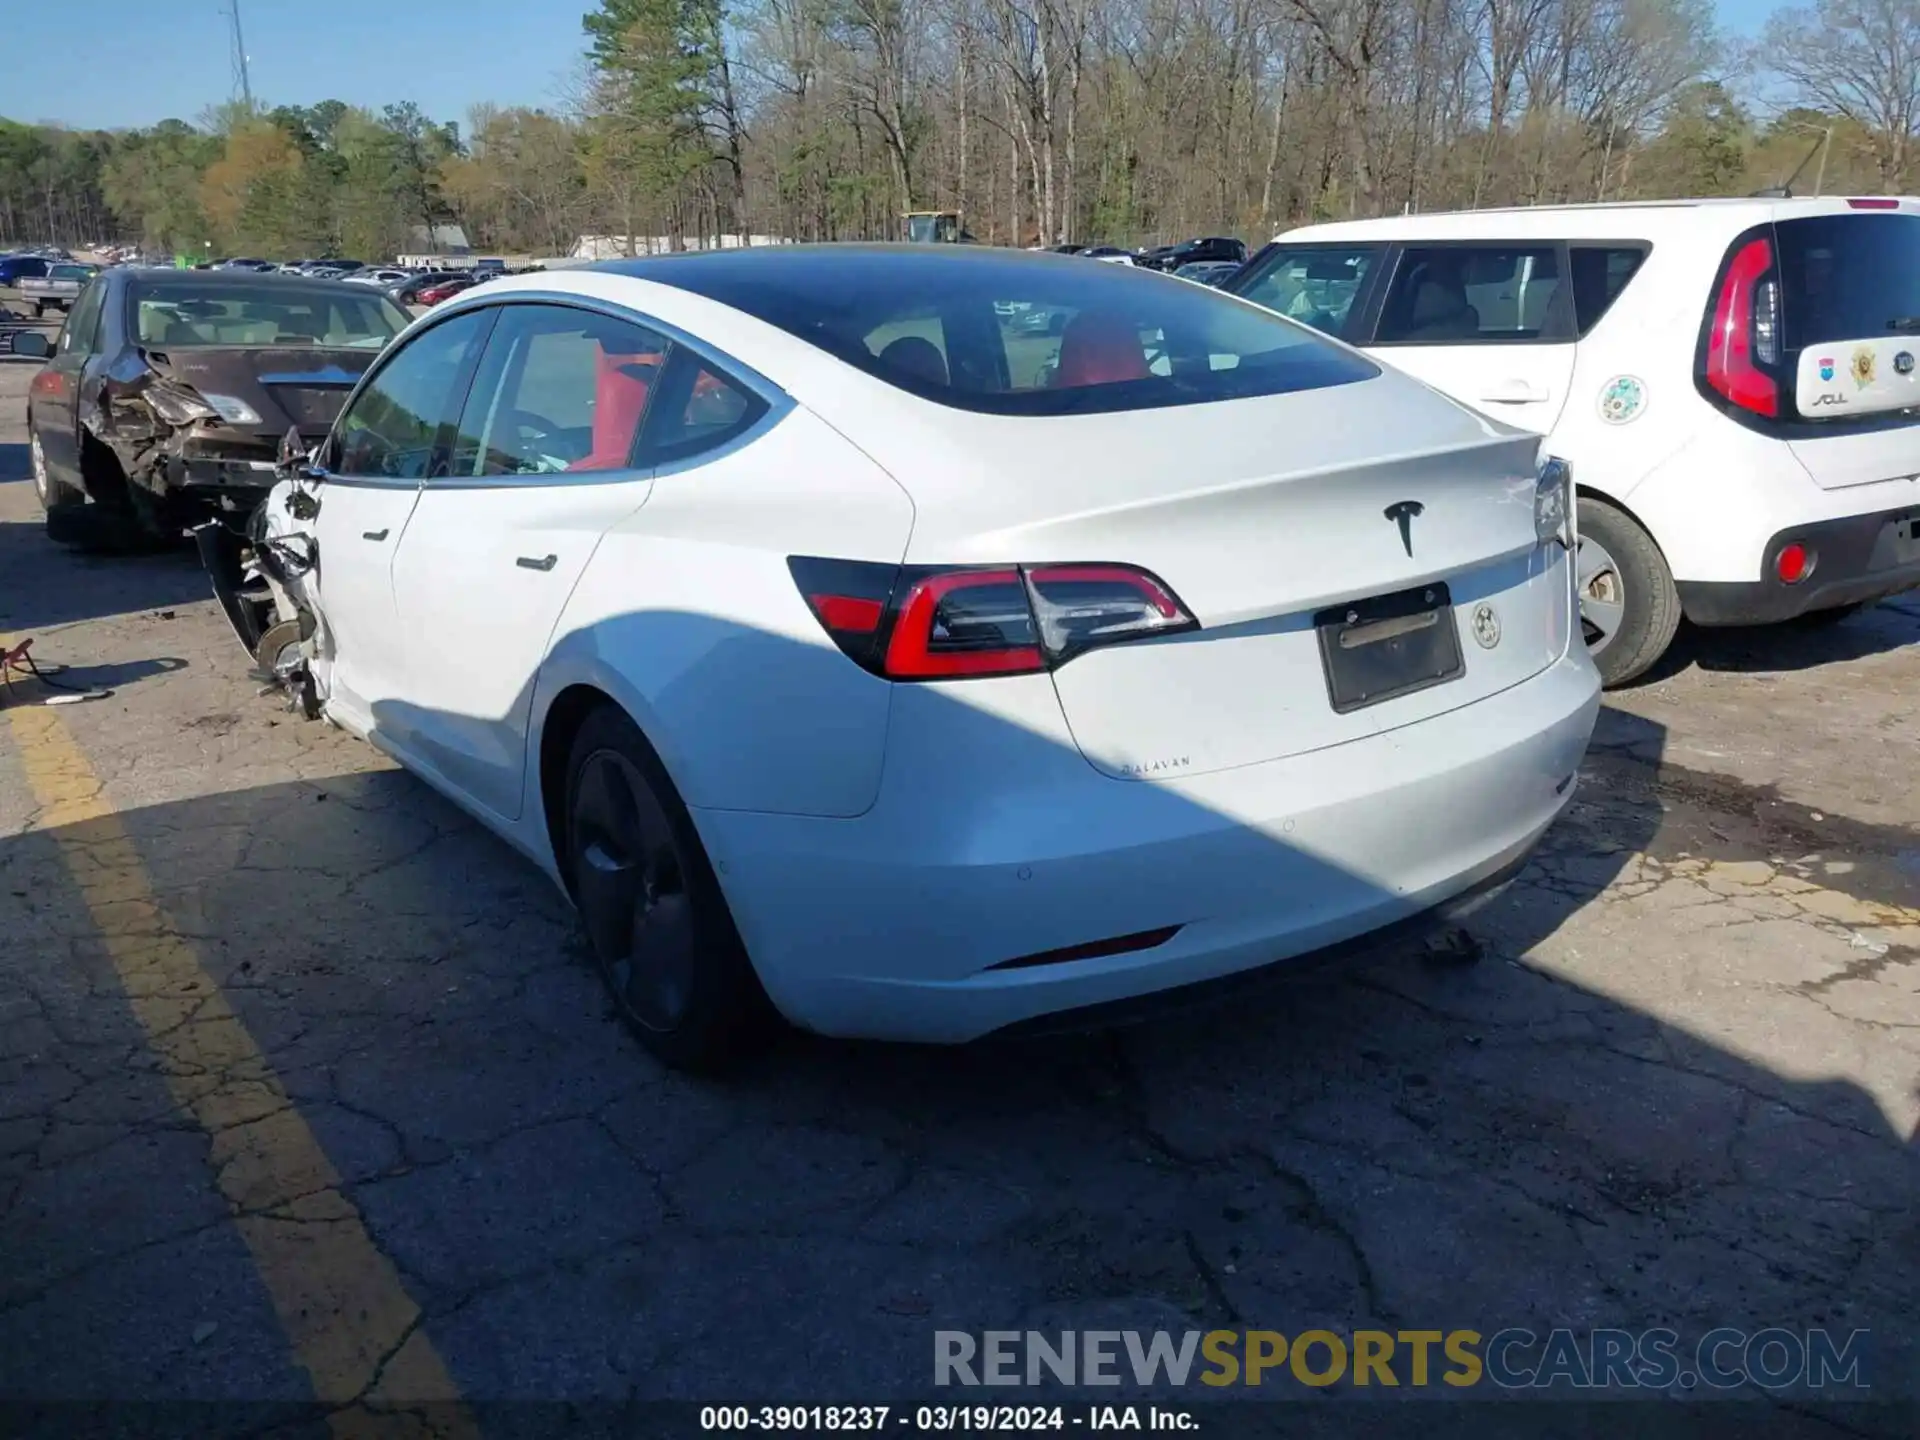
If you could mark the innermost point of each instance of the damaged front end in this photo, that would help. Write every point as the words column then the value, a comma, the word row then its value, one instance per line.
column 261, row 577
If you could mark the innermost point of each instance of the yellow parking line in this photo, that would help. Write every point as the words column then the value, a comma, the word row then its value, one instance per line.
column 351, row 1323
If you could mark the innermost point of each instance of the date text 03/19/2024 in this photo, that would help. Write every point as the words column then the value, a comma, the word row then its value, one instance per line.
column 825, row 1419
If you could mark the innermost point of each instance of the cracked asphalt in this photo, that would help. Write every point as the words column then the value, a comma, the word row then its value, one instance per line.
column 307, row 1089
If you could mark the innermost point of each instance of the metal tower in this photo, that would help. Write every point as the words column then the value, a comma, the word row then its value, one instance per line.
column 241, row 83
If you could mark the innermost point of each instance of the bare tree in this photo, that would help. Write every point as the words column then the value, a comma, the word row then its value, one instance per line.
column 1859, row 59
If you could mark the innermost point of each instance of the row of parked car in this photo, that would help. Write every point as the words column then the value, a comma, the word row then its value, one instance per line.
column 406, row 284
column 1208, row 260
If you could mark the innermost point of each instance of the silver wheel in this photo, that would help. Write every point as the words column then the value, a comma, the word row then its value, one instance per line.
column 1602, row 591
column 42, row 485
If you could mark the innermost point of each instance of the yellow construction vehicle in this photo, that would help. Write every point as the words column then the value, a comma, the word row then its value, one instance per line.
column 934, row 227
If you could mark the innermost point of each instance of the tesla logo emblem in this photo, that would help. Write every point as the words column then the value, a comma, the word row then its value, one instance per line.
column 1401, row 512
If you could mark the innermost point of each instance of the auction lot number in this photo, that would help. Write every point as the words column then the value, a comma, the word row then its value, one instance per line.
column 876, row 1417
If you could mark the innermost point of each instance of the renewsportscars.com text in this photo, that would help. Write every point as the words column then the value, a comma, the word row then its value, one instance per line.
column 1513, row 1358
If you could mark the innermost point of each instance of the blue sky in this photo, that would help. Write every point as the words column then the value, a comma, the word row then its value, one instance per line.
column 144, row 60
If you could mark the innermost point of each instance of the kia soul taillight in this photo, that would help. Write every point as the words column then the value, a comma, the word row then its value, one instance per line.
column 957, row 622
column 1745, row 333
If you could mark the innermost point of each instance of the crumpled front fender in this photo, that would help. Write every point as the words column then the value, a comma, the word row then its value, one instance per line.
column 222, row 553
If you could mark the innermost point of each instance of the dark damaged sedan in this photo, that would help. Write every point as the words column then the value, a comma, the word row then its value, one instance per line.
column 167, row 395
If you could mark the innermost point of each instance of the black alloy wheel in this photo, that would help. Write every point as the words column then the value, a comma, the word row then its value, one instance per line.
column 655, row 918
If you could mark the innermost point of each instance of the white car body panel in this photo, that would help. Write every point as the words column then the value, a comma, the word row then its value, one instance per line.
column 691, row 602
column 353, row 593
column 883, row 846
column 1710, row 492
column 1292, row 509
column 1260, row 863
column 480, row 614
column 1523, row 385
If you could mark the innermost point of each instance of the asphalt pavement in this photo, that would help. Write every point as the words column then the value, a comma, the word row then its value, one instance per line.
column 308, row 1092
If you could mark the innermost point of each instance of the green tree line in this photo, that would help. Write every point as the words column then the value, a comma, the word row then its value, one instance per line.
column 1039, row 120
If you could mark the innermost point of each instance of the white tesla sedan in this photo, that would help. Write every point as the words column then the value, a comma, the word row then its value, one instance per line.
column 853, row 645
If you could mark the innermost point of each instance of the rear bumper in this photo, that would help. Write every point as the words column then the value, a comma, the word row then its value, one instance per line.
column 254, row 474
column 1855, row 559
column 898, row 924
column 1251, row 985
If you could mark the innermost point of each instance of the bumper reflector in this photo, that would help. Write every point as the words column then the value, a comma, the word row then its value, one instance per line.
column 1094, row 949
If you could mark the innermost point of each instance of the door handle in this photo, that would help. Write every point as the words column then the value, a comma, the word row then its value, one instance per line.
column 1514, row 392
column 544, row 562
column 373, row 534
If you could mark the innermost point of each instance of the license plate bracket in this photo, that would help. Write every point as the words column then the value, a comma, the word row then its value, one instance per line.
column 1386, row 646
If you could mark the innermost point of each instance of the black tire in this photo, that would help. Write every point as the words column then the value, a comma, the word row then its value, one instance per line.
column 53, row 492
column 1640, row 600
column 122, row 518
column 654, row 917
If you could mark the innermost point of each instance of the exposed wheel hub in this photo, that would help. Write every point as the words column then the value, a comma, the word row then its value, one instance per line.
column 1602, row 592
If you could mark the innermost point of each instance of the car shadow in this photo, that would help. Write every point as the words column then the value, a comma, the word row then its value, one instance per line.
column 1401, row 1140
column 1800, row 645
column 14, row 463
column 43, row 584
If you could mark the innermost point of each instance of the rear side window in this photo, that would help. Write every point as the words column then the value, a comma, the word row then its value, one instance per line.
column 1599, row 273
column 1317, row 285
column 1008, row 333
column 1848, row 277
column 699, row 409
column 1470, row 294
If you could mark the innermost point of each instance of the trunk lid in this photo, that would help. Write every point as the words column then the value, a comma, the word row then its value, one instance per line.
column 1260, row 515
column 1850, row 315
column 303, row 386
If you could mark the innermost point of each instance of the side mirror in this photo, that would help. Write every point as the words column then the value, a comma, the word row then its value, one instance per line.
column 295, row 458
column 32, row 345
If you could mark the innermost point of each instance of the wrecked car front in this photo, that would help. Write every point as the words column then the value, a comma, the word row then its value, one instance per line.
column 262, row 576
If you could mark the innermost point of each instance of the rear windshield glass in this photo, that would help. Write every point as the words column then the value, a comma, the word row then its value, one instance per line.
column 1849, row 277
column 1011, row 333
column 178, row 317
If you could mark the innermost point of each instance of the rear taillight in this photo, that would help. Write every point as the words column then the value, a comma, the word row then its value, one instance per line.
column 1746, row 331
column 963, row 622
column 941, row 622
column 1876, row 203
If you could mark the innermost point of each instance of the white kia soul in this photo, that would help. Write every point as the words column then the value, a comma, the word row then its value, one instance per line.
column 1734, row 383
